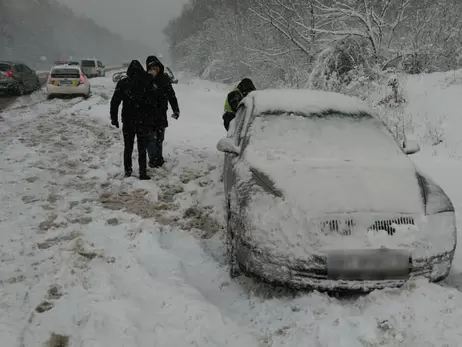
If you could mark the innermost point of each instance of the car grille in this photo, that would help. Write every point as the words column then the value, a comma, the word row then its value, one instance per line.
column 347, row 226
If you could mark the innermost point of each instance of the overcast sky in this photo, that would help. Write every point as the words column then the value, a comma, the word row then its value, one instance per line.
column 143, row 20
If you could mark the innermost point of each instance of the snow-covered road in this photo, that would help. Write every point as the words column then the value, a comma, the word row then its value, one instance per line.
column 88, row 259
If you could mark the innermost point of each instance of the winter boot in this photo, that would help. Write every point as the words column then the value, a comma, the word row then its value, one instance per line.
column 144, row 176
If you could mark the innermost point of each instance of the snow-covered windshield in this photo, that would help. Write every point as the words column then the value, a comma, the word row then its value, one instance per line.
column 334, row 137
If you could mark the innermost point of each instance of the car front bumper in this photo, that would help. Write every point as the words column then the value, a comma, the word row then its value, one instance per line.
column 313, row 275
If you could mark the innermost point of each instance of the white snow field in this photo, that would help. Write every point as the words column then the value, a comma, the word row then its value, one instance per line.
column 89, row 259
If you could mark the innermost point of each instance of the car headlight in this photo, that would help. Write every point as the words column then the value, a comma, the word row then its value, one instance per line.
column 438, row 234
column 435, row 199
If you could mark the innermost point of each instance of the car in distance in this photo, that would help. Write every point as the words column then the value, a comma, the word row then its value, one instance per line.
column 17, row 78
column 93, row 68
column 320, row 195
column 66, row 62
column 67, row 80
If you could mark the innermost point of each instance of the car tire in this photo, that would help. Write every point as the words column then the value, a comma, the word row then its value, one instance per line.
column 38, row 85
column 50, row 97
column 20, row 89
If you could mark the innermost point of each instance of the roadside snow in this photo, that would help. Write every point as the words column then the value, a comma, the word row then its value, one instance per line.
column 106, row 261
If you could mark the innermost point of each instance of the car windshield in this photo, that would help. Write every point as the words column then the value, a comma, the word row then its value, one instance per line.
column 65, row 73
column 88, row 63
column 336, row 137
column 5, row 67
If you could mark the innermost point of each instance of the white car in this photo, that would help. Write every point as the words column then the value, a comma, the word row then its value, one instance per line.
column 319, row 194
column 93, row 68
column 66, row 80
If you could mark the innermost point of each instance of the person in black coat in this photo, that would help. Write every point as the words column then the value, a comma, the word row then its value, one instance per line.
column 166, row 96
column 140, row 105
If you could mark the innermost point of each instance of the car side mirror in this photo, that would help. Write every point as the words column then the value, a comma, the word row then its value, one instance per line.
column 410, row 147
column 226, row 145
column 175, row 81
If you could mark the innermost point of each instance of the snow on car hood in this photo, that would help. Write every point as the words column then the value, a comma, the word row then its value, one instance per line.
column 334, row 165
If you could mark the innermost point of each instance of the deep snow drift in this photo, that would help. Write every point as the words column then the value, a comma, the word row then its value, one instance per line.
column 106, row 261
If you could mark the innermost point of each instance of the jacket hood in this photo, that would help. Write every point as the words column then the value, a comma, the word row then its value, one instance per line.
column 135, row 69
column 152, row 60
column 246, row 86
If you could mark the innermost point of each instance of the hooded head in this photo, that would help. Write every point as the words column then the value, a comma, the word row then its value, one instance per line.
column 152, row 61
column 246, row 86
column 135, row 69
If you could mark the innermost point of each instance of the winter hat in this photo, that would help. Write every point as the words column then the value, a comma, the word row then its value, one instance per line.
column 246, row 86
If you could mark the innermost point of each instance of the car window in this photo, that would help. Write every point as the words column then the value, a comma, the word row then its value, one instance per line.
column 100, row 64
column 26, row 69
column 65, row 73
column 5, row 67
column 88, row 63
column 18, row 68
column 332, row 137
column 239, row 121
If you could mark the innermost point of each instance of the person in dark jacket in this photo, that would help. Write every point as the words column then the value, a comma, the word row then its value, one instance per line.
column 166, row 96
column 138, row 95
column 234, row 98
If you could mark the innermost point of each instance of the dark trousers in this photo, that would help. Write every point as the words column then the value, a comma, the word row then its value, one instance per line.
column 156, row 145
column 142, row 135
column 227, row 118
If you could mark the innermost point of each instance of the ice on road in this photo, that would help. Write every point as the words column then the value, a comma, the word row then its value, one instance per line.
column 89, row 259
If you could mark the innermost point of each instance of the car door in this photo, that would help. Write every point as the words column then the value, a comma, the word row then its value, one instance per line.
column 28, row 78
column 101, row 68
column 229, row 174
column 19, row 74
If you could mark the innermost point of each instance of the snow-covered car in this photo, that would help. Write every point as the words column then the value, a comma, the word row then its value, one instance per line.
column 320, row 195
column 116, row 77
column 65, row 80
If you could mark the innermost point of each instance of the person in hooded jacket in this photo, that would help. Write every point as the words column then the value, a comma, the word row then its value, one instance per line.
column 234, row 98
column 166, row 96
column 138, row 95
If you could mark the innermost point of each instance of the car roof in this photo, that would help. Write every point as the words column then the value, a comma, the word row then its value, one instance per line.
column 66, row 66
column 11, row 62
column 306, row 101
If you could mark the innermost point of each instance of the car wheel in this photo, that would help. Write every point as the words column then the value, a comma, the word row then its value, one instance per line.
column 50, row 97
column 20, row 90
column 38, row 86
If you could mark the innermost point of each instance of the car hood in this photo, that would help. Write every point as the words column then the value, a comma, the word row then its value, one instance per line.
column 342, row 186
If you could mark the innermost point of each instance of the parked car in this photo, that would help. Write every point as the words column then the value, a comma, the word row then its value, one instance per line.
column 116, row 77
column 17, row 78
column 65, row 80
column 320, row 195
column 93, row 68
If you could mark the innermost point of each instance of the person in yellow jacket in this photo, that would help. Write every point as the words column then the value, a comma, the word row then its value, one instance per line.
column 234, row 98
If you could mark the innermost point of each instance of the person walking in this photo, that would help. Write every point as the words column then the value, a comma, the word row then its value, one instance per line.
column 234, row 98
column 138, row 96
column 166, row 95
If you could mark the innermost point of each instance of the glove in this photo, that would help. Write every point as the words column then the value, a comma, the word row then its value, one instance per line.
column 115, row 123
column 176, row 115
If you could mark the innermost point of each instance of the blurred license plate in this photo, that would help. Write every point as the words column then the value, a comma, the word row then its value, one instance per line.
column 65, row 82
column 369, row 264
